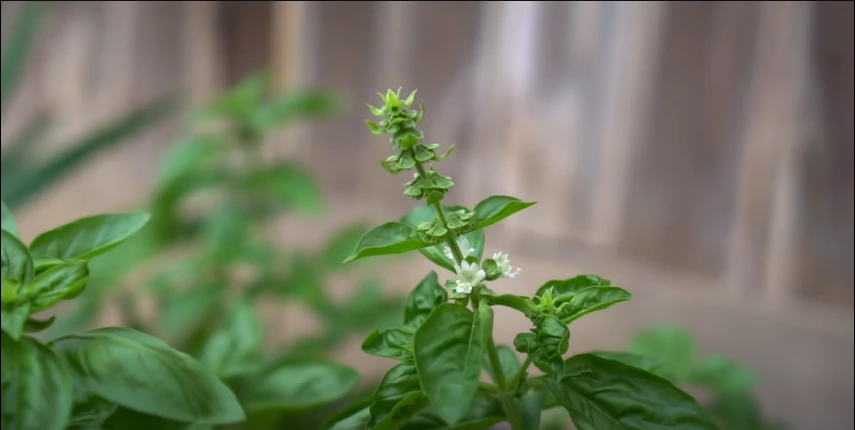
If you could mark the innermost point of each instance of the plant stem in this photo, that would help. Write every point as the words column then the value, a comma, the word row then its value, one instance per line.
column 515, row 381
column 450, row 237
column 505, row 395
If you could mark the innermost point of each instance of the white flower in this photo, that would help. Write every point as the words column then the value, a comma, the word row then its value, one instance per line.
column 468, row 275
column 504, row 264
column 464, row 246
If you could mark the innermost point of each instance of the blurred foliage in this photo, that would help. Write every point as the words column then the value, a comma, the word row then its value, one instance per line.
column 23, row 173
column 222, row 262
column 671, row 352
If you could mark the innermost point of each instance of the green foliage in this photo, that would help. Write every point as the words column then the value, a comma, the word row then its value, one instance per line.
column 78, row 380
column 670, row 352
column 445, row 342
column 224, row 260
column 24, row 175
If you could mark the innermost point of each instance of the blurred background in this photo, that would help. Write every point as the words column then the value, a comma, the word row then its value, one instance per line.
column 699, row 154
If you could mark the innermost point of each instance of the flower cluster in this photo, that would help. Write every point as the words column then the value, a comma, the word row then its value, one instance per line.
column 470, row 273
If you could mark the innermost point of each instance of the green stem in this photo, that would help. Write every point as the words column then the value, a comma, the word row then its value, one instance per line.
column 450, row 237
column 490, row 388
column 505, row 395
column 515, row 382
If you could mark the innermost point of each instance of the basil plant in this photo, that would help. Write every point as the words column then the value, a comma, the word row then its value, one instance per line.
column 445, row 341
column 210, row 259
column 77, row 381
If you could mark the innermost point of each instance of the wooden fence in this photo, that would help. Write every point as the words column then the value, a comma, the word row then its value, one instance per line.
column 701, row 152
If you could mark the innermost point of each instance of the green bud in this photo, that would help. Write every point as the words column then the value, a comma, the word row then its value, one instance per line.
column 491, row 269
column 526, row 343
column 434, row 197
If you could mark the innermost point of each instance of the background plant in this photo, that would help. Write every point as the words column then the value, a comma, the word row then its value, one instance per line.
column 79, row 380
column 209, row 265
column 24, row 172
column 671, row 352
column 446, row 338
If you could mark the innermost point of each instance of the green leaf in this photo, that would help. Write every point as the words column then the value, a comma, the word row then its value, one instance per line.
column 90, row 236
column 126, row 419
column 635, row 399
column 90, row 412
column 397, row 399
column 520, row 303
column 369, row 308
column 14, row 319
column 423, row 300
column 723, row 375
column 553, row 339
column 673, row 346
column 592, row 299
column 42, row 263
column 293, row 384
column 338, row 247
column 16, row 260
column 8, row 219
column 31, row 181
column 508, row 359
column 236, row 346
column 572, row 285
column 225, row 231
column 302, row 104
column 387, row 239
column 353, row 417
column 436, row 253
column 448, row 352
column 306, row 284
column 62, row 282
column 643, row 362
column 532, row 410
column 393, row 343
column 237, row 102
column 288, row 184
column 485, row 413
column 181, row 312
column 36, row 389
column 34, row 325
column 142, row 373
column 496, row 208
column 16, row 50
column 738, row 411
column 190, row 158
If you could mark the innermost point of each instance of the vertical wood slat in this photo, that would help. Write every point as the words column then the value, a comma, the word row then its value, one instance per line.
column 291, row 59
column 521, row 129
column 202, row 67
column 769, row 134
column 798, row 119
column 625, row 113
column 290, row 55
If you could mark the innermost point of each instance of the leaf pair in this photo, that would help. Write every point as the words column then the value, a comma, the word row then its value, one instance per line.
column 54, row 268
column 246, row 104
column 401, row 237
